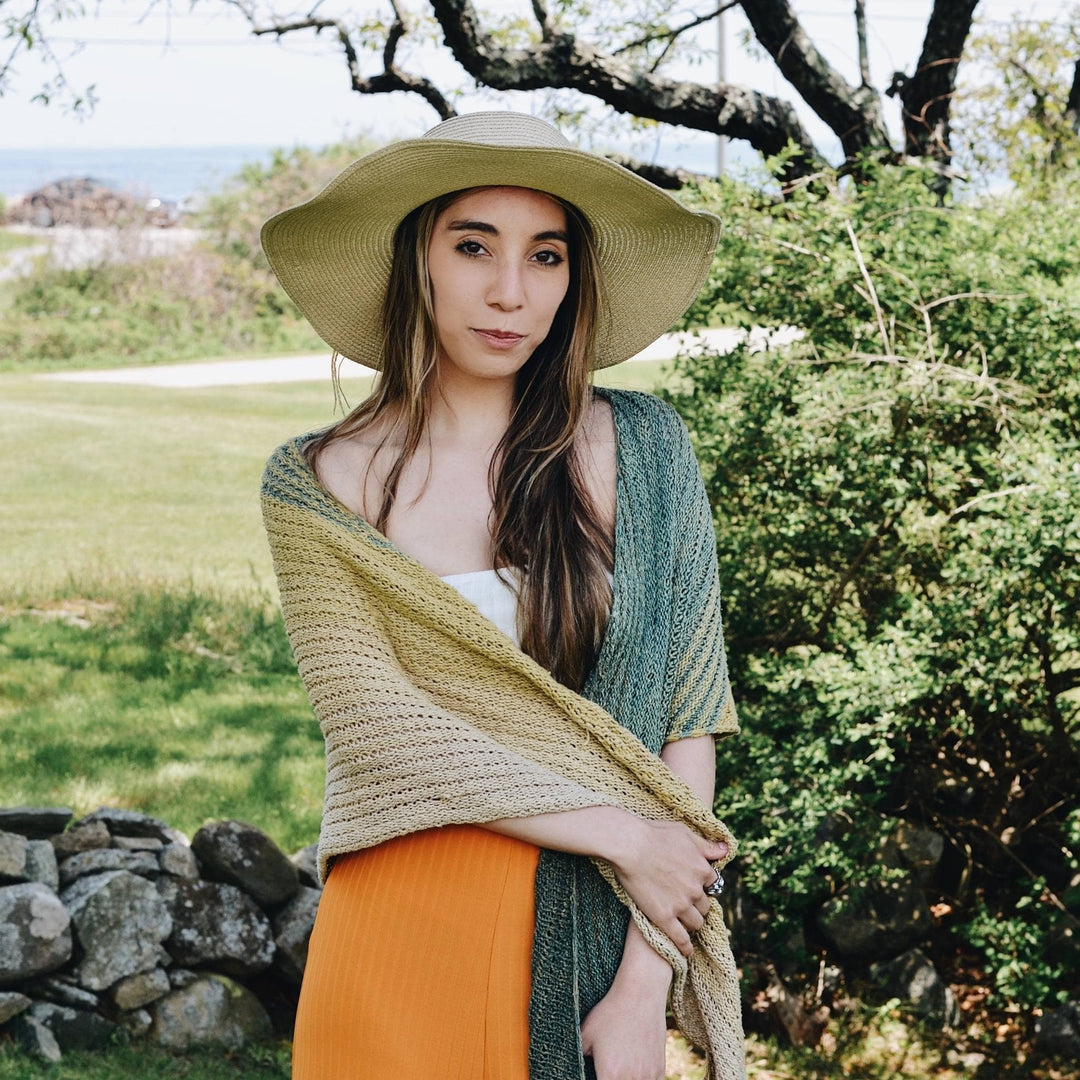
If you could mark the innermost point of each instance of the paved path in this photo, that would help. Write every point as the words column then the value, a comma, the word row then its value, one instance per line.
column 316, row 367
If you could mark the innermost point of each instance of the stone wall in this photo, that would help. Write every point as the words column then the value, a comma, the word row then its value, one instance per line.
column 116, row 925
column 119, row 925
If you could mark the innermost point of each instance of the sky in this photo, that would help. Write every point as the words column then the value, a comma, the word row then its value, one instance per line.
column 194, row 78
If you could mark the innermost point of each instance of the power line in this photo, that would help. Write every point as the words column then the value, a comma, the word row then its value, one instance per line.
column 158, row 44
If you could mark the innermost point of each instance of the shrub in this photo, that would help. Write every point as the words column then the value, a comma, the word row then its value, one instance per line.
column 895, row 501
column 233, row 216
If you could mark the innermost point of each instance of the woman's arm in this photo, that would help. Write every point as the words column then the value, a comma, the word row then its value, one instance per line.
column 663, row 865
column 626, row 1032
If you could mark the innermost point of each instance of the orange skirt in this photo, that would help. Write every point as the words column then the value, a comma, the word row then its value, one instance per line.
column 419, row 964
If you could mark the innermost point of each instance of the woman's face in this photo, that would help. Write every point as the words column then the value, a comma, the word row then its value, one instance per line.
column 499, row 267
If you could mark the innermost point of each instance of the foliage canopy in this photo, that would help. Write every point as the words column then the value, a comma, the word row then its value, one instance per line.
column 896, row 500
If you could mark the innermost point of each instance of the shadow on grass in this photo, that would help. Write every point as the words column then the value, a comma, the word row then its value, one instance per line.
column 182, row 705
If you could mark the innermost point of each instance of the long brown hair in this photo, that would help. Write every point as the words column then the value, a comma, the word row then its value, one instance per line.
column 543, row 521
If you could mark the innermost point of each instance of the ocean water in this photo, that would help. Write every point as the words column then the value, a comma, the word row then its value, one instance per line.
column 176, row 173
column 164, row 172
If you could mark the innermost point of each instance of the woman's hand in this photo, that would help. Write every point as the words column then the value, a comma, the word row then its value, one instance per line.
column 665, row 867
column 626, row 1033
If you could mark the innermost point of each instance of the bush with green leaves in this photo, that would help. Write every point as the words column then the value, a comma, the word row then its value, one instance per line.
column 218, row 298
column 196, row 303
column 234, row 215
column 897, row 507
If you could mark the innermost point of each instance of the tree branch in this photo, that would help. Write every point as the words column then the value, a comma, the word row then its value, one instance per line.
column 542, row 18
column 927, row 95
column 860, row 32
column 767, row 123
column 661, row 176
column 853, row 113
column 670, row 35
column 22, row 31
column 28, row 31
column 390, row 80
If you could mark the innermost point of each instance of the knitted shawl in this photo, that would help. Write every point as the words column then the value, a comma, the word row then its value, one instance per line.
column 432, row 716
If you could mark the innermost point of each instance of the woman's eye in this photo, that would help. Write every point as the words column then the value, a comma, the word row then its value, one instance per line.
column 471, row 247
column 548, row 258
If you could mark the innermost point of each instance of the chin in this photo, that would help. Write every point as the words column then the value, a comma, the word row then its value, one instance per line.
column 488, row 367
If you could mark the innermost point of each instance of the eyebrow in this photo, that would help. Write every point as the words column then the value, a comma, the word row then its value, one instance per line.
column 485, row 227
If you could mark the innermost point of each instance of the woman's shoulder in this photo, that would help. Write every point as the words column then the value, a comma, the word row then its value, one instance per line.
column 646, row 421
column 286, row 468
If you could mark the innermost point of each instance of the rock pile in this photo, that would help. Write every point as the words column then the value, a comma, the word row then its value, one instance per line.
column 75, row 200
column 118, row 926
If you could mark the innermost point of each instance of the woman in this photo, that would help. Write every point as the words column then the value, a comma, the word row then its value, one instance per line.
column 500, row 587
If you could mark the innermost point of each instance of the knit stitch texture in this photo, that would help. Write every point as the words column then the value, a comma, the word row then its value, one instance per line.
column 432, row 716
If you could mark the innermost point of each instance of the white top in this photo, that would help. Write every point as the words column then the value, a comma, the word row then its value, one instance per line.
column 494, row 598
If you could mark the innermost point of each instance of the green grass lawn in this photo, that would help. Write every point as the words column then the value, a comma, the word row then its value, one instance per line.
column 11, row 240
column 105, row 482
column 140, row 1062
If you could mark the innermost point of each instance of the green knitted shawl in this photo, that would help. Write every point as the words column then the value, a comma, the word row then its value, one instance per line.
column 661, row 673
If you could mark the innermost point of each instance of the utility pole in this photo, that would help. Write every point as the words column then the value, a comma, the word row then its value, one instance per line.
column 721, row 52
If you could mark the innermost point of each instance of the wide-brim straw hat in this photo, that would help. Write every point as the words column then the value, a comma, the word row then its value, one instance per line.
column 332, row 254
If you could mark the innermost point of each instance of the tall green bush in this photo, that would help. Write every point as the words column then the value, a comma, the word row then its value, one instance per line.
column 233, row 216
column 218, row 298
column 897, row 507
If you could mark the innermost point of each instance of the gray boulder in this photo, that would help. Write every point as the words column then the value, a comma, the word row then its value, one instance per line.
column 180, row 861
column 913, row 979
column 74, row 1029
column 876, row 921
column 34, row 822
column 138, row 990
column 239, row 854
column 137, row 843
column 100, row 859
column 12, row 858
column 217, row 926
column 35, row 932
column 62, row 990
column 34, row 1037
column 120, row 822
column 136, row 1022
column 1057, row 1031
column 306, row 861
column 11, row 1004
column 211, row 1010
column 120, row 921
column 41, row 864
column 292, row 930
column 915, row 848
column 80, row 837
column 180, row 977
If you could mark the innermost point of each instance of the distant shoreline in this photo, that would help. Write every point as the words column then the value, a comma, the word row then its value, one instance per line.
column 170, row 172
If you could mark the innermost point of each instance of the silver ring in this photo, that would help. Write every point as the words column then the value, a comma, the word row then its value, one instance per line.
column 717, row 887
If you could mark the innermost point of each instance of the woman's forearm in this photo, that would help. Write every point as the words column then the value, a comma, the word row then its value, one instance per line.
column 605, row 832
column 641, row 967
column 663, row 865
column 609, row 832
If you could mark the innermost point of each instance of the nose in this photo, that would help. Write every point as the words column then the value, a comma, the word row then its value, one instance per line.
column 506, row 290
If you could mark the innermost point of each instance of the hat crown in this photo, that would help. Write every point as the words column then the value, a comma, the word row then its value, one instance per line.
column 499, row 129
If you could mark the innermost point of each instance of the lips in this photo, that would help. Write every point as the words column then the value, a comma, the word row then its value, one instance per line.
column 500, row 339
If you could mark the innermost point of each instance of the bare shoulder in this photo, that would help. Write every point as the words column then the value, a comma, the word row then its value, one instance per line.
column 345, row 469
column 599, row 458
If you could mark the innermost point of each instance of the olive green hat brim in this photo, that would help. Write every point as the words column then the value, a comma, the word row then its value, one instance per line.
column 332, row 254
